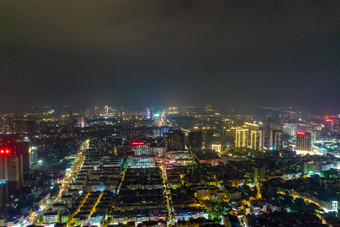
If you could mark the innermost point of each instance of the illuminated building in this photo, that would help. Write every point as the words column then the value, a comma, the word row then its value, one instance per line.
column 141, row 161
column 148, row 113
column 330, row 123
column 261, row 139
column 81, row 121
column 157, row 115
column 251, row 126
column 51, row 217
column 106, row 110
column 180, row 158
column 310, row 168
column 303, row 141
column 11, row 168
column 141, row 148
column 158, row 119
column 158, row 151
column 33, row 155
column 275, row 140
column 254, row 140
column 289, row 129
column 173, row 110
column 335, row 205
column 14, row 160
column 241, row 137
column 216, row 147
column 255, row 137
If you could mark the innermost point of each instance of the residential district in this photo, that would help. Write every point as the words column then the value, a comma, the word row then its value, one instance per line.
column 181, row 166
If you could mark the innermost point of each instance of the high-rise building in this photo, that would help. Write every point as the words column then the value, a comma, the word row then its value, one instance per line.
column 310, row 167
column 148, row 114
column 272, row 124
column 33, row 156
column 11, row 168
column 261, row 140
column 241, row 137
column 289, row 129
column 275, row 140
column 30, row 127
column 227, row 137
column 195, row 140
column 23, row 148
column 175, row 140
column 259, row 173
column 254, row 140
column 3, row 192
column 14, row 160
column 207, row 136
column 81, row 121
column 106, row 110
column 251, row 126
column 303, row 141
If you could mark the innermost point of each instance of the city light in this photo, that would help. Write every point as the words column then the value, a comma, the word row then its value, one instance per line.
column 169, row 113
column 300, row 133
column 5, row 151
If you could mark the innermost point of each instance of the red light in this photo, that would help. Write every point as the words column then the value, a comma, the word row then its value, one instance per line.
column 329, row 120
column 300, row 133
column 5, row 151
column 137, row 143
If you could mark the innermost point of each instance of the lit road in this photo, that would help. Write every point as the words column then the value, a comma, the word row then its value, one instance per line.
column 168, row 197
column 304, row 197
column 69, row 177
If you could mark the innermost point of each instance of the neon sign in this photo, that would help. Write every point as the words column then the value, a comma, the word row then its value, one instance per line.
column 137, row 143
column 300, row 133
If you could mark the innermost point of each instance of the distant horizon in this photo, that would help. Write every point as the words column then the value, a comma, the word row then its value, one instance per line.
column 223, row 108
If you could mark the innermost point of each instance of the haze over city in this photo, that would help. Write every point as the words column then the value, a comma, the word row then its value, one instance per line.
column 230, row 53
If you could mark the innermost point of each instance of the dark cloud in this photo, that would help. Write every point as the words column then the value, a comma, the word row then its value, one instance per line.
column 263, row 52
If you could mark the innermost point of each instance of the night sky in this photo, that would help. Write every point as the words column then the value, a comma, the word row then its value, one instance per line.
column 168, row 52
